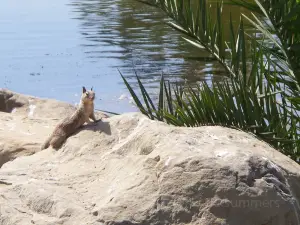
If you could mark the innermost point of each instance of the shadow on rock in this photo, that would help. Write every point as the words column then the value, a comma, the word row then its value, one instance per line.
column 100, row 125
column 10, row 100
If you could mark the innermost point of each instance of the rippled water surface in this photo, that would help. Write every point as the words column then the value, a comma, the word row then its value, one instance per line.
column 52, row 48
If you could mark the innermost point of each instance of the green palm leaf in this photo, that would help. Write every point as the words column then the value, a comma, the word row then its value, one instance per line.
column 261, row 72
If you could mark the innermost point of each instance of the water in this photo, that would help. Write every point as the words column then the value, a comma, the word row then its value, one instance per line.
column 53, row 48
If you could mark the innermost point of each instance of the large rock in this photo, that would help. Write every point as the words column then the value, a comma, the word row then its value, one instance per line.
column 26, row 121
column 131, row 170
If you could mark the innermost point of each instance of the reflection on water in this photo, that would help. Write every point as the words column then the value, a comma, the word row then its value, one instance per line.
column 137, row 35
column 52, row 48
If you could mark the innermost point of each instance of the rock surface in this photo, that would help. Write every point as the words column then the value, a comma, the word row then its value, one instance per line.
column 26, row 121
column 130, row 170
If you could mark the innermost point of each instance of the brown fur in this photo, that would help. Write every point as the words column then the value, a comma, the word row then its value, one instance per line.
column 70, row 124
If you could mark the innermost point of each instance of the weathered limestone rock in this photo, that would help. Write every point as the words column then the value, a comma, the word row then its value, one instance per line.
column 26, row 121
column 130, row 170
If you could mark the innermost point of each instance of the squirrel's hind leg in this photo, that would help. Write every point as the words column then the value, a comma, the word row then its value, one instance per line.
column 57, row 141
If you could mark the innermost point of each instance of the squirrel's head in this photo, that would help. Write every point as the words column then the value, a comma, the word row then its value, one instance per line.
column 87, row 96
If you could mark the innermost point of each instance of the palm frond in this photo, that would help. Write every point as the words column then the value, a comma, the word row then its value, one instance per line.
column 261, row 93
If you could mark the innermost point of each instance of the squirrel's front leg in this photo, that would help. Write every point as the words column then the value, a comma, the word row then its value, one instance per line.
column 92, row 116
column 87, row 120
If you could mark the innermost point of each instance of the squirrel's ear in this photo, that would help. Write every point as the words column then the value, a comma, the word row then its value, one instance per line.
column 92, row 88
column 83, row 89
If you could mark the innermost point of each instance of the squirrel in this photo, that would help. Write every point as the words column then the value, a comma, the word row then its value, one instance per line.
column 70, row 124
